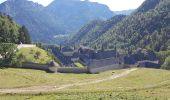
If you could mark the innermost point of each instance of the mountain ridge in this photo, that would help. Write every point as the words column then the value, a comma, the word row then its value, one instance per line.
column 34, row 16
column 146, row 28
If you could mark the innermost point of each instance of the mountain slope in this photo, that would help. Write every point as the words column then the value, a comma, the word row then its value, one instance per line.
column 60, row 17
column 95, row 29
column 33, row 17
column 76, row 13
column 147, row 28
column 125, row 12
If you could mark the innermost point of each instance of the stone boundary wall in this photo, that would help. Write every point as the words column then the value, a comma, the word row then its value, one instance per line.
column 54, row 69
column 94, row 70
column 72, row 70
column 91, row 70
column 35, row 66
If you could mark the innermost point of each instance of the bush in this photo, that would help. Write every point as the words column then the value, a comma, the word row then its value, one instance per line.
column 162, row 55
column 7, row 51
column 17, row 62
column 37, row 54
column 166, row 64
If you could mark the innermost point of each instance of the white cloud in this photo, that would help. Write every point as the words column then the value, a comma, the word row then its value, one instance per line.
column 115, row 5
column 2, row 1
column 43, row 2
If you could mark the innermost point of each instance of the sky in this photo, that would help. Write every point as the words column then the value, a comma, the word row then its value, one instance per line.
column 114, row 5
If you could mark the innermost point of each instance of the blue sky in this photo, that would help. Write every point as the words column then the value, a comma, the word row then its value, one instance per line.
column 115, row 5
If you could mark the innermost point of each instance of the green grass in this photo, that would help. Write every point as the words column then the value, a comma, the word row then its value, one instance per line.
column 138, row 79
column 79, row 65
column 29, row 55
column 11, row 78
column 142, row 84
column 84, row 96
column 95, row 95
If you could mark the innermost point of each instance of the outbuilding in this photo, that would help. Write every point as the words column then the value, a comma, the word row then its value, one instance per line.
column 148, row 64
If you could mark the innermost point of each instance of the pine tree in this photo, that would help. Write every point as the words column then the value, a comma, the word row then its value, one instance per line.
column 24, row 35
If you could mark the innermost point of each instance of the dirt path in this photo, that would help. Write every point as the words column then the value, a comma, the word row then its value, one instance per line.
column 55, row 88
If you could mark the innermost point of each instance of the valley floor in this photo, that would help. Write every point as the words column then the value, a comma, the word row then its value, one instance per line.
column 132, row 84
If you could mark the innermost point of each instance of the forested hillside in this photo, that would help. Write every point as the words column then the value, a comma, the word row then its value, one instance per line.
column 10, row 32
column 94, row 30
column 59, row 18
column 147, row 28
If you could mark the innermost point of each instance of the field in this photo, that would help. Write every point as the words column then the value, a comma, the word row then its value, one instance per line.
column 12, row 78
column 140, row 84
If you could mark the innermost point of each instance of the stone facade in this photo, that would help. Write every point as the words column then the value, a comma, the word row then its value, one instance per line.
column 148, row 64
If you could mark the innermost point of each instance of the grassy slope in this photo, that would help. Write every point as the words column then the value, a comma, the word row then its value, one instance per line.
column 29, row 54
column 143, row 84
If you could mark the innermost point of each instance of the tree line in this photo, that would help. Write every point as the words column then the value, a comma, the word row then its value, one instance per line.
column 10, row 35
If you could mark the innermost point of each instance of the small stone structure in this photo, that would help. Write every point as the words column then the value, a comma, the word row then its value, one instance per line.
column 148, row 64
column 25, row 46
column 53, row 66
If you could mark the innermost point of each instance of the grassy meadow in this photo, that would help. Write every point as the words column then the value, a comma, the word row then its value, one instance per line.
column 142, row 84
column 12, row 78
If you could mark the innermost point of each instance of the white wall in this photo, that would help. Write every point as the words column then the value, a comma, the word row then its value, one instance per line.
column 26, row 46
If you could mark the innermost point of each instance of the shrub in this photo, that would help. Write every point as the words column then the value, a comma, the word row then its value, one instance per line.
column 7, row 51
column 37, row 54
column 162, row 55
column 166, row 64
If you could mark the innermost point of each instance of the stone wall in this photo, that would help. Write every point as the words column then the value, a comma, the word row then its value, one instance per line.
column 35, row 66
column 72, row 70
column 94, row 70
column 91, row 70
column 103, row 62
